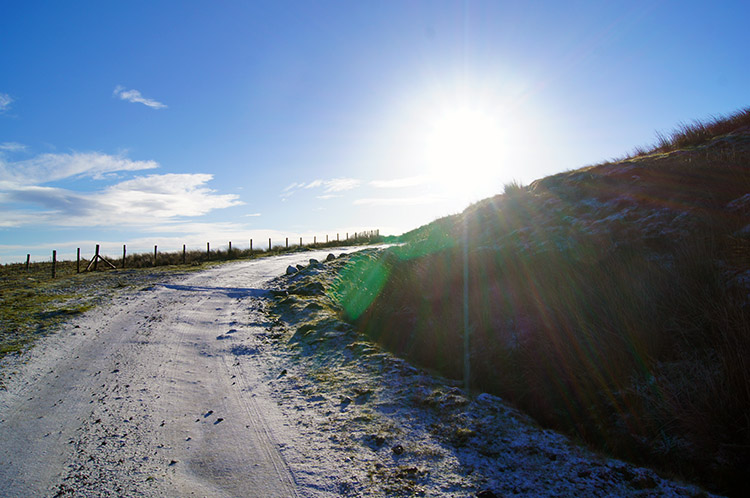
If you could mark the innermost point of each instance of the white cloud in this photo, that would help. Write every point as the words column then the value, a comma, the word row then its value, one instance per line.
column 411, row 181
column 136, row 97
column 314, row 184
column 340, row 184
column 5, row 102
column 11, row 147
column 293, row 186
column 52, row 167
column 398, row 201
column 328, row 186
column 27, row 198
column 252, row 215
column 141, row 201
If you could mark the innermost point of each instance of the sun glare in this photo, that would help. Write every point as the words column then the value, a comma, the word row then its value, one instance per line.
column 464, row 147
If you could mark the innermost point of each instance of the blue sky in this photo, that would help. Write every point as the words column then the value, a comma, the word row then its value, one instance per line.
column 189, row 122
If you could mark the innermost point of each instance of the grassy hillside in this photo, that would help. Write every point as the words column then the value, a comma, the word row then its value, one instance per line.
column 610, row 302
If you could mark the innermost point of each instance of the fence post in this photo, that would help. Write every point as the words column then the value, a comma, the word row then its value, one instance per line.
column 300, row 241
column 183, row 254
column 326, row 238
column 54, row 263
column 315, row 239
column 28, row 258
column 208, row 251
column 154, row 255
column 251, row 246
column 96, row 257
column 287, row 242
column 337, row 237
column 124, row 254
column 347, row 235
column 269, row 244
column 78, row 260
column 229, row 252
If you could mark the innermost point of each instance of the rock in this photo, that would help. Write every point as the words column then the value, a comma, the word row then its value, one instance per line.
column 314, row 262
column 300, row 267
column 398, row 449
column 330, row 257
column 291, row 270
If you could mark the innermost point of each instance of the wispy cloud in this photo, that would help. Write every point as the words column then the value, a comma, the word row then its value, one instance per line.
column 328, row 186
column 411, row 181
column 27, row 198
column 340, row 184
column 397, row 201
column 52, row 167
column 11, row 147
column 136, row 97
column 252, row 215
column 5, row 102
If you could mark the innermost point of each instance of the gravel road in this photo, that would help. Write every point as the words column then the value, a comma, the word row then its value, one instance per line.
column 147, row 397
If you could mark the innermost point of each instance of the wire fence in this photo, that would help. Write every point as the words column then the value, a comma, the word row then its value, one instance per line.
column 192, row 256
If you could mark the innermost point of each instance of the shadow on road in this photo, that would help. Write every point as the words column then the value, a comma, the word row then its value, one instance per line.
column 234, row 292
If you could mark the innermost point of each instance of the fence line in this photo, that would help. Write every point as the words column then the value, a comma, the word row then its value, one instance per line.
column 231, row 253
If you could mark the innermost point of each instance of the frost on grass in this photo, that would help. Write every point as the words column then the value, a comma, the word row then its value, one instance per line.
column 397, row 430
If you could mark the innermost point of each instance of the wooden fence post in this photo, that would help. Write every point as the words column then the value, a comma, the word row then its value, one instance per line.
column 54, row 263
column 315, row 239
column 287, row 242
column 337, row 237
column 251, row 246
column 229, row 252
column 124, row 254
column 183, row 254
column 96, row 257
column 326, row 238
column 154, row 255
column 28, row 259
column 269, row 244
column 300, row 241
column 78, row 260
column 208, row 251
column 347, row 235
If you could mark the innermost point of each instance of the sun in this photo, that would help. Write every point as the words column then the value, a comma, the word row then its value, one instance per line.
column 464, row 147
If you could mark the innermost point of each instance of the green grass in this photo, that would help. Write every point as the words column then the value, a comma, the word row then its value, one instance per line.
column 600, row 301
column 33, row 304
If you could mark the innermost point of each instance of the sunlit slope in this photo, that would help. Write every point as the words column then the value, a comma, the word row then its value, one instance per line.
column 610, row 301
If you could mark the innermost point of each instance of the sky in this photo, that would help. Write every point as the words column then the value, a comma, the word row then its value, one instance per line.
column 183, row 122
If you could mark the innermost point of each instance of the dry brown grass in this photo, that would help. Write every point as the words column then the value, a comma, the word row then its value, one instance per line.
column 599, row 302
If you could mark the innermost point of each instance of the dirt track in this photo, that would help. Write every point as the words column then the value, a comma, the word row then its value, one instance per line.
column 146, row 397
column 184, row 389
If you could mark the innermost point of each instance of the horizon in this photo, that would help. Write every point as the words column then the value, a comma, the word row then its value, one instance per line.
column 185, row 123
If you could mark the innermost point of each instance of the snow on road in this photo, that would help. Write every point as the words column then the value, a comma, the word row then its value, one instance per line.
column 203, row 386
column 147, row 397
